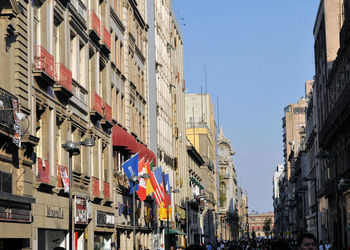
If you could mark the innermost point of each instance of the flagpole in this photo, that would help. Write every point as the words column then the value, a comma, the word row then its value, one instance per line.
column 133, row 219
column 167, row 214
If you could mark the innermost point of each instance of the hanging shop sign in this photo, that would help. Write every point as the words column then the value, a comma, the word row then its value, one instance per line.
column 81, row 211
column 104, row 219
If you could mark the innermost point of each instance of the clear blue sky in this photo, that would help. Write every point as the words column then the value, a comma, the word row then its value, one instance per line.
column 258, row 55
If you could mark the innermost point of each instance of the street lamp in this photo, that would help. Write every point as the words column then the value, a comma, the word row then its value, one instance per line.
column 135, row 180
column 316, row 202
column 73, row 149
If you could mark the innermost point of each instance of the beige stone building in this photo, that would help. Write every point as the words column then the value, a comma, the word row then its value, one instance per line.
column 243, row 214
column 256, row 224
column 228, row 199
column 201, row 132
column 78, row 70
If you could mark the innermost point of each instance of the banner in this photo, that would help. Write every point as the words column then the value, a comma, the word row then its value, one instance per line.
column 163, row 213
column 65, row 179
column 16, row 126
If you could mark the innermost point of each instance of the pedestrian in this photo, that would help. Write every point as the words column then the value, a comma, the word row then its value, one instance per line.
column 322, row 246
column 328, row 245
column 209, row 246
column 306, row 241
column 161, row 247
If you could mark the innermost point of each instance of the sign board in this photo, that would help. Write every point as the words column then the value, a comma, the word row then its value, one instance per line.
column 54, row 212
column 104, row 219
column 81, row 211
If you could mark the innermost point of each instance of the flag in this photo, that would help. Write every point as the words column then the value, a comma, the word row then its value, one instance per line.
column 149, row 188
column 131, row 168
column 167, row 186
column 159, row 178
column 151, row 165
column 142, row 185
column 157, row 193
column 64, row 178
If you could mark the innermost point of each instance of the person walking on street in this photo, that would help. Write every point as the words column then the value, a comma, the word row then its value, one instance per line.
column 306, row 241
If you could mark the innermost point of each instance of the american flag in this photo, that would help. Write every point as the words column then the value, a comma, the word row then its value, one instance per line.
column 159, row 191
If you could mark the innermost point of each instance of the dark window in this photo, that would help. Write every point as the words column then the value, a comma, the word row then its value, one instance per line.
column 5, row 182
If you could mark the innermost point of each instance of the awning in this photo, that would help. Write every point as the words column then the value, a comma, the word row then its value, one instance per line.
column 196, row 182
column 121, row 138
column 173, row 231
column 146, row 153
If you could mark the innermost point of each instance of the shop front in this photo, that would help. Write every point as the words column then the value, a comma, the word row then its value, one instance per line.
column 16, row 219
column 51, row 216
column 103, row 228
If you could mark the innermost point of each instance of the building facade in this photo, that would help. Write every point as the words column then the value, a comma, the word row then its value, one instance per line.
column 228, row 200
column 258, row 221
column 201, row 131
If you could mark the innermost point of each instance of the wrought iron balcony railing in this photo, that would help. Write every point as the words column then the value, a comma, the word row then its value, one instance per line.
column 44, row 61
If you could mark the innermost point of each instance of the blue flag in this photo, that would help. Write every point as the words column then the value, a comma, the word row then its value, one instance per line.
column 167, row 186
column 131, row 168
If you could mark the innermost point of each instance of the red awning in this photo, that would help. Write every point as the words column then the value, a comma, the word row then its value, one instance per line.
column 146, row 153
column 152, row 157
column 142, row 149
column 121, row 138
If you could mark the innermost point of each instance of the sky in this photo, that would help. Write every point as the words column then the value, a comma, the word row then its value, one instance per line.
column 257, row 55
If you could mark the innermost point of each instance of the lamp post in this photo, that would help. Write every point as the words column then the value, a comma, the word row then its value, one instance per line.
column 316, row 203
column 73, row 149
column 135, row 180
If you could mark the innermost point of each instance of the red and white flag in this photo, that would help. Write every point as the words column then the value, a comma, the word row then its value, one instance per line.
column 65, row 179
column 142, row 184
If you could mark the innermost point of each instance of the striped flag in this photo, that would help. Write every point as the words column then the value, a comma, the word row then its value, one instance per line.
column 159, row 178
column 158, row 194
column 142, row 184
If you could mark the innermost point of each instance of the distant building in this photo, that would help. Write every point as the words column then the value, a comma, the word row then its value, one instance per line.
column 228, row 201
column 257, row 221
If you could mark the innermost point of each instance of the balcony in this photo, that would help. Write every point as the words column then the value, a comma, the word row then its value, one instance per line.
column 44, row 66
column 107, row 120
column 7, row 120
column 106, row 41
column 96, row 106
column 64, row 85
column 95, row 26
column 106, row 191
column 95, row 188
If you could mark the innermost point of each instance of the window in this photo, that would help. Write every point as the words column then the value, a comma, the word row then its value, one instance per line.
column 73, row 56
column 82, row 64
column 36, row 24
column 58, row 141
column 122, row 107
column 56, row 52
column 116, row 6
column 121, row 57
